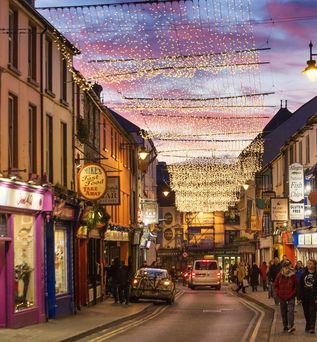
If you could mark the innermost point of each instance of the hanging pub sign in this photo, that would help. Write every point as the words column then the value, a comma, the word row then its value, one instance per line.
column 279, row 209
column 266, row 196
column 92, row 181
column 112, row 195
column 150, row 212
column 296, row 192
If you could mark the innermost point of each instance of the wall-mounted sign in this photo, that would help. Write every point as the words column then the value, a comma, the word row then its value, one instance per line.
column 112, row 195
column 296, row 211
column 168, row 218
column 92, row 181
column 309, row 239
column 279, row 209
column 150, row 212
column 296, row 182
column 18, row 198
column 116, row 235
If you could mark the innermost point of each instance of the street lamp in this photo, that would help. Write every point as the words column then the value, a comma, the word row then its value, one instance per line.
column 143, row 153
column 311, row 69
column 166, row 193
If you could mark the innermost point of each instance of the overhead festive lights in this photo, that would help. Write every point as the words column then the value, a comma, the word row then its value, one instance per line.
column 188, row 74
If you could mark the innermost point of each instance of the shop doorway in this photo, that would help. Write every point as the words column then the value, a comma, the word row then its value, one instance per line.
column 4, row 246
column 224, row 262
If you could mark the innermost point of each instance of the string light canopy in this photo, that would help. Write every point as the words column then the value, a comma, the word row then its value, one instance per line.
column 187, row 73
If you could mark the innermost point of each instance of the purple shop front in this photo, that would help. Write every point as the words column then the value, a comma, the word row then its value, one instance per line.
column 23, row 211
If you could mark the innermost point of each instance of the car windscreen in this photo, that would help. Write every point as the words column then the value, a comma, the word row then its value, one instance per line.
column 206, row 265
column 152, row 273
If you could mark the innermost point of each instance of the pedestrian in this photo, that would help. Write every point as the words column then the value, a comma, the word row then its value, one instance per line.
column 284, row 259
column 241, row 275
column 273, row 272
column 285, row 290
column 235, row 273
column 307, row 295
column 113, row 279
column 263, row 271
column 254, row 277
column 299, row 270
column 124, row 278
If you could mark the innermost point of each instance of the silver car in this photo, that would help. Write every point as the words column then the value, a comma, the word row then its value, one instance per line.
column 153, row 283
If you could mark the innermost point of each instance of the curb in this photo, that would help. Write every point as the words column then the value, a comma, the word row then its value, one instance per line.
column 107, row 325
column 272, row 310
column 115, row 323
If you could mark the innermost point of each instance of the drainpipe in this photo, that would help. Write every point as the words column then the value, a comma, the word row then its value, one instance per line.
column 42, row 100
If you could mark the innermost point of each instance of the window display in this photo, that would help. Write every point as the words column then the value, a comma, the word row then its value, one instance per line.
column 24, row 262
column 60, row 261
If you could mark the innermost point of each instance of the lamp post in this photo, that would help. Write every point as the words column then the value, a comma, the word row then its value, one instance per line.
column 311, row 70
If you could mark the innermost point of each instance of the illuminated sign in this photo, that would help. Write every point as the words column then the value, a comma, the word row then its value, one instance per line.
column 92, row 182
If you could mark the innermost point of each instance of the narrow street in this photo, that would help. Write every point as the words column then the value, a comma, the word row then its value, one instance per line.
column 201, row 315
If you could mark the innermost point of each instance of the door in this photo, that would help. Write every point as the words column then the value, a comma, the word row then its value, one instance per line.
column 3, row 283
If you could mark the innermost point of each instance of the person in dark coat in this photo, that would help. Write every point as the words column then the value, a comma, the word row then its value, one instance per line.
column 124, row 274
column 273, row 272
column 285, row 290
column 307, row 295
column 254, row 277
column 113, row 278
column 263, row 271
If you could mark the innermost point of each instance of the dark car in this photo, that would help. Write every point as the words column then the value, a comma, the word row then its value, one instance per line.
column 153, row 283
column 186, row 274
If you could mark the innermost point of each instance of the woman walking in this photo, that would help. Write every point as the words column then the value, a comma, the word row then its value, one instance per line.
column 254, row 277
column 263, row 271
column 285, row 289
column 241, row 275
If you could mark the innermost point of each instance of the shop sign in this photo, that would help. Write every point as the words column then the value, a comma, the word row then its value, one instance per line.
column 92, row 182
column 296, row 182
column 279, row 209
column 150, row 212
column 116, row 235
column 307, row 239
column 82, row 232
column 296, row 211
column 62, row 212
column 22, row 199
column 112, row 195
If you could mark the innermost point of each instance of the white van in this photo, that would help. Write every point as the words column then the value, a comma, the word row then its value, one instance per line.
column 205, row 272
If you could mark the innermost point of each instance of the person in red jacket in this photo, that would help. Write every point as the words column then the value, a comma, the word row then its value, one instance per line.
column 285, row 289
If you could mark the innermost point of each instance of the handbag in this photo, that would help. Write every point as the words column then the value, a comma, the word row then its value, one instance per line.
column 245, row 283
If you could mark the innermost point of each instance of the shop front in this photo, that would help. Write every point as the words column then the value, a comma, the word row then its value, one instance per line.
column 266, row 249
column 23, row 212
column 116, row 244
column 226, row 257
column 306, row 245
column 59, row 260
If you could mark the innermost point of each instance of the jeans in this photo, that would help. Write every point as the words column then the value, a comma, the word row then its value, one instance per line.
column 309, row 308
column 264, row 285
column 287, row 312
column 276, row 299
column 241, row 287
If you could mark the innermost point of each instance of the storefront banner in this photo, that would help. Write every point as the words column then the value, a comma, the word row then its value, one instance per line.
column 179, row 237
column 266, row 196
column 92, row 181
column 296, row 211
column 112, row 195
column 296, row 182
column 307, row 240
column 150, row 212
column 279, row 209
column 22, row 199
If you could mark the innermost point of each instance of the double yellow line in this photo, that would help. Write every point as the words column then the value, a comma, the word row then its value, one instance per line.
column 131, row 325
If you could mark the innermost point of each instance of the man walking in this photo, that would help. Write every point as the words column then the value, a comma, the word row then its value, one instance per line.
column 307, row 295
column 285, row 289
column 273, row 272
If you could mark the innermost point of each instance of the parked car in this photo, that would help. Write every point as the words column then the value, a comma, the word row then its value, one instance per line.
column 205, row 272
column 186, row 274
column 153, row 283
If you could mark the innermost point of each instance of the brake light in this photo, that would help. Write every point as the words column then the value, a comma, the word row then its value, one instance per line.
column 186, row 274
column 135, row 281
column 219, row 274
column 193, row 274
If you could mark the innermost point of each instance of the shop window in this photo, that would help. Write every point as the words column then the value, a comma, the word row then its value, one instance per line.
column 60, row 261
column 24, row 262
column 13, row 38
column 94, row 275
column 32, row 52
column 49, row 65
column 3, row 226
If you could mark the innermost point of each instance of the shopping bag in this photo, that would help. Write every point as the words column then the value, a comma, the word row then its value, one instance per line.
column 245, row 283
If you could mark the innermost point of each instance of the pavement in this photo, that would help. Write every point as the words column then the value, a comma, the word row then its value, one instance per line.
column 277, row 333
column 86, row 321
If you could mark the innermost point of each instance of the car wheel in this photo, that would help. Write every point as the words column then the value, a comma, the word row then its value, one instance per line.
column 218, row 287
column 170, row 301
column 193, row 287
